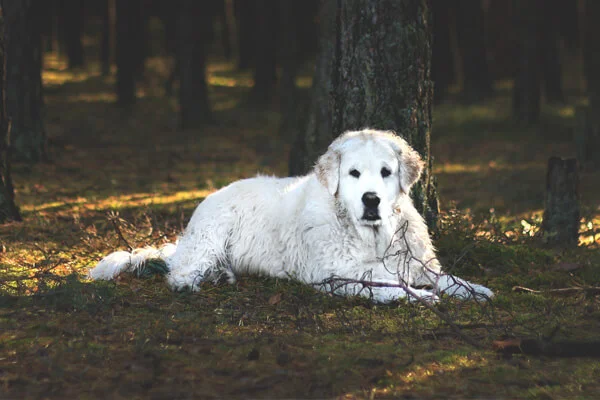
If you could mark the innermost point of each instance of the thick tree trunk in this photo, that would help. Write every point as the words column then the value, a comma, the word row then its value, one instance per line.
column 477, row 83
column 265, row 49
column 8, row 209
column 527, row 87
column 72, row 18
column 24, row 101
column 314, row 137
column 192, row 25
column 380, row 78
column 561, row 212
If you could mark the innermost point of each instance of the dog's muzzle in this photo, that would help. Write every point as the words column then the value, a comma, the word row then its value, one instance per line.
column 371, row 202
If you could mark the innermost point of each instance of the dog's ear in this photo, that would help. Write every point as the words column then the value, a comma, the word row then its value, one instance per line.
column 327, row 170
column 411, row 166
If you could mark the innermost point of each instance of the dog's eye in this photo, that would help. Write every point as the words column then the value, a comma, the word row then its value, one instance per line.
column 385, row 172
column 354, row 173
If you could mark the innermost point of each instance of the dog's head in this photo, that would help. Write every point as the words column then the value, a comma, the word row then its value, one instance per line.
column 368, row 171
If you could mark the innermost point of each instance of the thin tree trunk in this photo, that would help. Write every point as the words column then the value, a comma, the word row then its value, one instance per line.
column 108, row 36
column 221, row 16
column 290, row 104
column 72, row 16
column 527, row 86
column 592, row 74
column 8, row 209
column 550, row 55
column 244, row 12
column 502, row 43
column 24, row 100
column 592, row 52
column 314, row 137
column 127, row 50
column 265, row 72
column 192, row 25
column 442, row 63
column 477, row 83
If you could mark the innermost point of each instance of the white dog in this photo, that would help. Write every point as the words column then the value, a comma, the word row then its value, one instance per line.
column 349, row 227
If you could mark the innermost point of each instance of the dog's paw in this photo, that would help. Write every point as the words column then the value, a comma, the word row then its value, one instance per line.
column 455, row 287
column 178, row 283
column 469, row 291
column 481, row 292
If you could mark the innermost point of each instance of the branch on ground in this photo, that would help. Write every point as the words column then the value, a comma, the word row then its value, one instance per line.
column 113, row 217
column 588, row 291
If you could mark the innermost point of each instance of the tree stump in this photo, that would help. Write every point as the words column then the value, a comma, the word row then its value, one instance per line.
column 561, row 214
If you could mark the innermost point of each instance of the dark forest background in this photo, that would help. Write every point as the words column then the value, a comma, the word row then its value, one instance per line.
column 543, row 52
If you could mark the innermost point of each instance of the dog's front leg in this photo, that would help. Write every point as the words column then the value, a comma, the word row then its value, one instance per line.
column 379, row 291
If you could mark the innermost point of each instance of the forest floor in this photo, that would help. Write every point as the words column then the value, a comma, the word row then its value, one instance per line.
column 62, row 336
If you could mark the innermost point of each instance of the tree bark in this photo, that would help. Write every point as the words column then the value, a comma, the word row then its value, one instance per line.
column 380, row 78
column 561, row 213
column 527, row 86
column 8, row 208
column 470, row 31
column 72, row 16
column 24, row 101
column 192, row 25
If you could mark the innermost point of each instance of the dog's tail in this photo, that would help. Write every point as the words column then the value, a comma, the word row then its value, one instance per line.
column 141, row 262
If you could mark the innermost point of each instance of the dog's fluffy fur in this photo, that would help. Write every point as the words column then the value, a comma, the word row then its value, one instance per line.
column 350, row 221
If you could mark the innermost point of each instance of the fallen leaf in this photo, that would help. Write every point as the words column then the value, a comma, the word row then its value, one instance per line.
column 275, row 299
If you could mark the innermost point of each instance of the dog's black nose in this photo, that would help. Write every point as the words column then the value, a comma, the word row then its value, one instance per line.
column 370, row 199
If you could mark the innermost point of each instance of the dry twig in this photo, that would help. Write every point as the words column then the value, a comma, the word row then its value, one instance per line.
column 588, row 291
column 113, row 217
